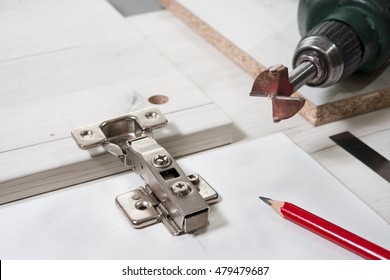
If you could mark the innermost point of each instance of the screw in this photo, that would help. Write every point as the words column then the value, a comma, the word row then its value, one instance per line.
column 161, row 160
column 181, row 188
column 194, row 178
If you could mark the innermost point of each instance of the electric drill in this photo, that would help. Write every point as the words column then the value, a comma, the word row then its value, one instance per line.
column 340, row 37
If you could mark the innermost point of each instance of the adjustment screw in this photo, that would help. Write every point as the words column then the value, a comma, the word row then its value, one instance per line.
column 161, row 160
column 181, row 188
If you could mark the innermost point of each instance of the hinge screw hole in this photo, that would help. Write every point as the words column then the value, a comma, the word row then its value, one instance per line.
column 86, row 134
column 142, row 205
column 151, row 115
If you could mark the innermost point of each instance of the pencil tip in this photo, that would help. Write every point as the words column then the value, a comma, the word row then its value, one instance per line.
column 266, row 199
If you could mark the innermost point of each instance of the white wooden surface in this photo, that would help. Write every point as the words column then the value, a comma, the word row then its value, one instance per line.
column 65, row 65
column 84, row 223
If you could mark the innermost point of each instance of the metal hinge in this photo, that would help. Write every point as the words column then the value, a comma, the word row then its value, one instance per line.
column 181, row 202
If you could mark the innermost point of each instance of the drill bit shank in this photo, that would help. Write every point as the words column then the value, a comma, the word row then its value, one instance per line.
column 302, row 74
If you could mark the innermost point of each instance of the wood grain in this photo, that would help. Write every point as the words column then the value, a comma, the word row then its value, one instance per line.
column 58, row 75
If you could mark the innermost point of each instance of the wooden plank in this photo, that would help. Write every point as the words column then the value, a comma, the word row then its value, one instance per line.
column 254, row 35
column 62, row 164
column 61, row 79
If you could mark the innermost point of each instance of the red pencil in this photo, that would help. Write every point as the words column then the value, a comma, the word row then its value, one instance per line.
column 332, row 232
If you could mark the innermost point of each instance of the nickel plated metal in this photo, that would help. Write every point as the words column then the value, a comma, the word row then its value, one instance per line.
column 181, row 202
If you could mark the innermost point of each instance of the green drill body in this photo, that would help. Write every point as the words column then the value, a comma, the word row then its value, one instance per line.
column 369, row 19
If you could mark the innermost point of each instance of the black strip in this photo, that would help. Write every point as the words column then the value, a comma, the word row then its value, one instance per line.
column 364, row 153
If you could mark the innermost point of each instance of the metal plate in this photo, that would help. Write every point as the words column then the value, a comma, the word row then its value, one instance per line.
column 139, row 208
column 364, row 153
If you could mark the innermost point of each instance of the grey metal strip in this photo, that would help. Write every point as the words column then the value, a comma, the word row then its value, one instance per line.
column 364, row 153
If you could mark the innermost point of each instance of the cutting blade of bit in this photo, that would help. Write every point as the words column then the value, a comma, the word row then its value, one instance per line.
column 274, row 83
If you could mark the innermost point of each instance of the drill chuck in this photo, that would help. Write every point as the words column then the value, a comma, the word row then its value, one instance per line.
column 333, row 49
column 340, row 38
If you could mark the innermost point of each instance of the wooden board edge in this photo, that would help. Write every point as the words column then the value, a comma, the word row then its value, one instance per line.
column 216, row 133
column 316, row 115
column 245, row 61
column 59, row 178
column 354, row 106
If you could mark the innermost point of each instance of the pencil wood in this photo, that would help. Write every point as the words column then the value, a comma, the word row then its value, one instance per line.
column 328, row 230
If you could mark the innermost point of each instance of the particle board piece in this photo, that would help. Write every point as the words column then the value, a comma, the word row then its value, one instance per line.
column 256, row 34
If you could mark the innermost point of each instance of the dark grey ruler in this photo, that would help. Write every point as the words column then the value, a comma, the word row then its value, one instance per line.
column 364, row 153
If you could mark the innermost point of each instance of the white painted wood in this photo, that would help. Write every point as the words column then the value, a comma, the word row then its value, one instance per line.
column 64, row 75
column 62, row 164
column 39, row 27
column 366, row 184
column 83, row 222
column 213, row 73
